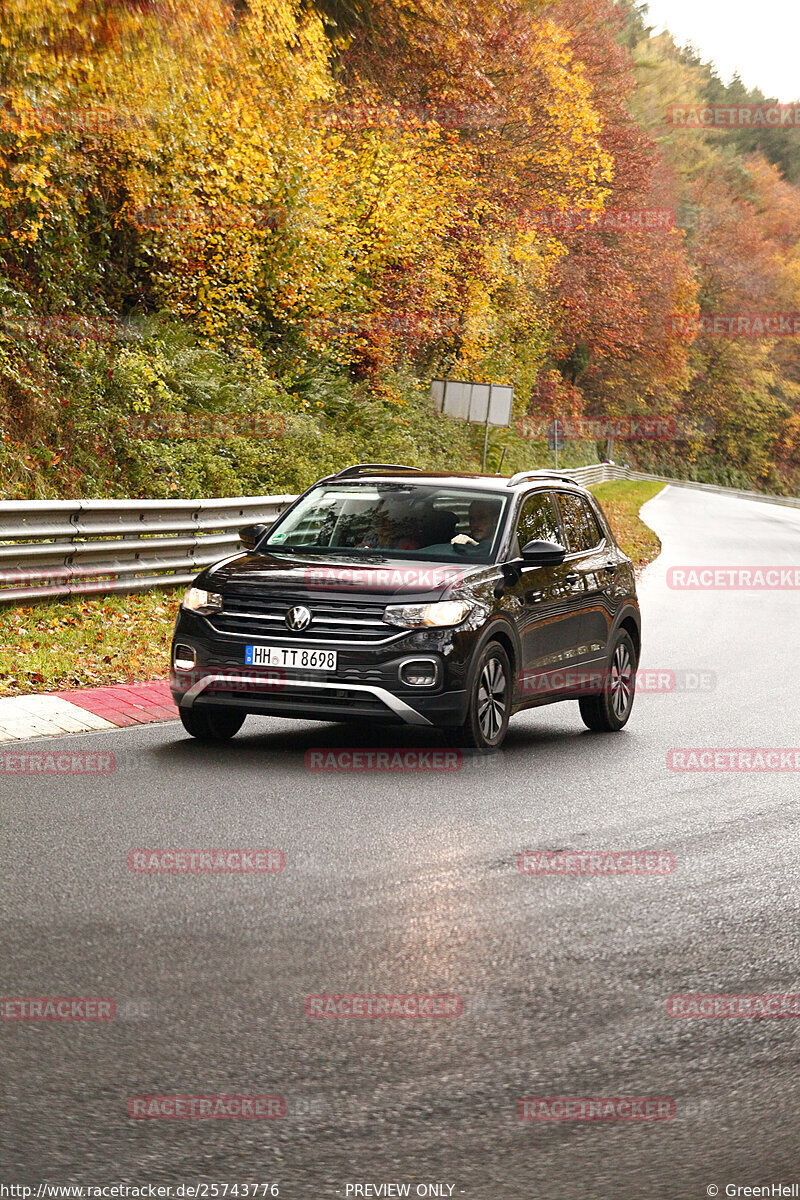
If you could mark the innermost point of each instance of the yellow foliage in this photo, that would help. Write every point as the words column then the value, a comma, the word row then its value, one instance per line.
column 204, row 134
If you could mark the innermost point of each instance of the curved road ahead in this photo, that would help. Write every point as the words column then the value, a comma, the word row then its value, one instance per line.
column 409, row 884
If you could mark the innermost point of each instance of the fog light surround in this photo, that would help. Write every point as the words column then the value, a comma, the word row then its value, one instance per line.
column 184, row 657
column 419, row 672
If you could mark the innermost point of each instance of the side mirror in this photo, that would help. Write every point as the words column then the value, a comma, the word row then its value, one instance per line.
column 543, row 554
column 250, row 535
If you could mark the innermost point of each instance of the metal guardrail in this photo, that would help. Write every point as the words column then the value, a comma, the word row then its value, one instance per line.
column 605, row 472
column 597, row 473
column 53, row 549
column 717, row 489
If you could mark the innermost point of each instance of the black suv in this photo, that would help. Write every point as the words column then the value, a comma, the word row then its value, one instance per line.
column 387, row 594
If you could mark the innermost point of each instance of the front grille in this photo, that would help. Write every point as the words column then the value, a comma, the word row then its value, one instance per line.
column 257, row 613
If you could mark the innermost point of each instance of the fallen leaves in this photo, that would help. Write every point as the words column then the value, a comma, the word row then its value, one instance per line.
column 86, row 642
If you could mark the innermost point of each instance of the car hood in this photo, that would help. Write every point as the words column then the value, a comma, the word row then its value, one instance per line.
column 309, row 573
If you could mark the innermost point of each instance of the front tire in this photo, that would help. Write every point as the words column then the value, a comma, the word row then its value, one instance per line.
column 211, row 724
column 611, row 709
column 490, row 702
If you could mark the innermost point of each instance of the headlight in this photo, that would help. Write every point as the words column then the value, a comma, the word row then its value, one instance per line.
column 422, row 616
column 196, row 600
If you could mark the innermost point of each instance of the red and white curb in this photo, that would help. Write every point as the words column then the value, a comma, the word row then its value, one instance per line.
column 86, row 709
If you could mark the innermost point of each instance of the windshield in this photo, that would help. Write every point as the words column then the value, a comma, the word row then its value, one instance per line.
column 401, row 520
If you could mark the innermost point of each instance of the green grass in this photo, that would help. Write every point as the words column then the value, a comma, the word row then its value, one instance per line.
column 621, row 501
column 90, row 642
column 86, row 642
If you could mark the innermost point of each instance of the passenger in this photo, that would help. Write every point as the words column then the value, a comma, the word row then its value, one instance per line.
column 393, row 530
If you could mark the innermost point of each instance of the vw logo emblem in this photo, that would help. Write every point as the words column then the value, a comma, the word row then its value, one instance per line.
column 298, row 617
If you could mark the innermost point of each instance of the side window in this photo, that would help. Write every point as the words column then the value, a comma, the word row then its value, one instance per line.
column 596, row 534
column 580, row 523
column 538, row 521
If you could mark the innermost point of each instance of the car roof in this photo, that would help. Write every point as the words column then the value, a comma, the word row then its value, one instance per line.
column 501, row 484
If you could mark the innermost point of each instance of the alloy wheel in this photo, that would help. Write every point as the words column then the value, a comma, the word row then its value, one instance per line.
column 621, row 681
column 492, row 699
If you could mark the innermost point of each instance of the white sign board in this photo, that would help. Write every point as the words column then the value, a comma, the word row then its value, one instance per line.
column 479, row 403
column 473, row 402
column 500, row 407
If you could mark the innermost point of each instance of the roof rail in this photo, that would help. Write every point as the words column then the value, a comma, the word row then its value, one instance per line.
column 524, row 476
column 367, row 468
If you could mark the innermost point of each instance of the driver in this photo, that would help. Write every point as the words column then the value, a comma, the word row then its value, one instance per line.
column 483, row 515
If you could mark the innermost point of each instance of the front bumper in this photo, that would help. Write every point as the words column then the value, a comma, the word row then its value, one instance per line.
column 365, row 686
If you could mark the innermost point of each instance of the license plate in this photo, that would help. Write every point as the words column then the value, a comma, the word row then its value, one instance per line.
column 307, row 659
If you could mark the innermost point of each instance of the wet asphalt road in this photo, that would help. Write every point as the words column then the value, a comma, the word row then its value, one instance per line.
column 409, row 883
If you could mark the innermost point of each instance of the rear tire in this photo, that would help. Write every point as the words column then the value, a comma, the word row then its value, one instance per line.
column 489, row 704
column 609, row 711
column 211, row 724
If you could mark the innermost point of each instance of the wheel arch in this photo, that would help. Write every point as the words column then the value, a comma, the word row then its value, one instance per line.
column 632, row 624
column 502, row 632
